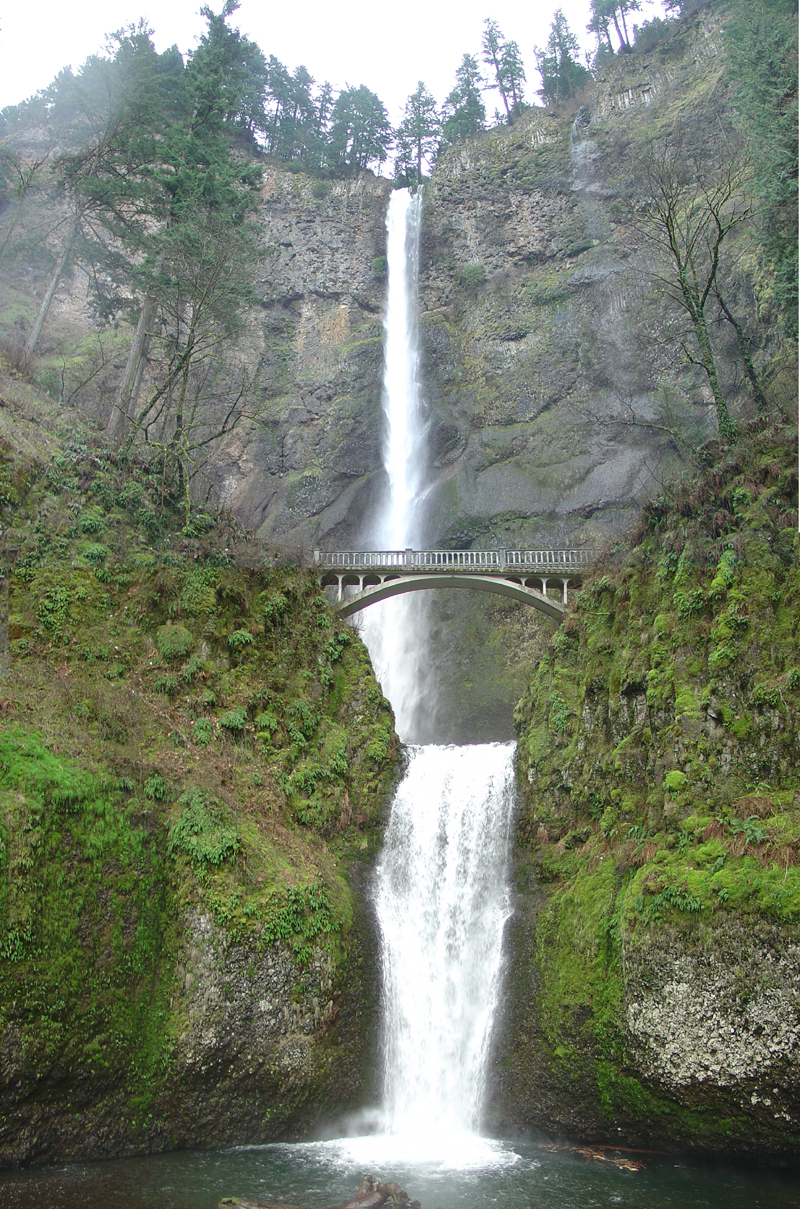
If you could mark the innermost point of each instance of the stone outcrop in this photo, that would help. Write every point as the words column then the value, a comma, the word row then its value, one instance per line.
column 653, row 990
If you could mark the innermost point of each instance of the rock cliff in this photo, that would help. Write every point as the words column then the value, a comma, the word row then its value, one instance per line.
column 652, row 989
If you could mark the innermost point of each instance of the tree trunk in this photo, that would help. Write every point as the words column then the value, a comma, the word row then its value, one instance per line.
column 727, row 428
column 36, row 331
column 749, row 367
column 128, row 390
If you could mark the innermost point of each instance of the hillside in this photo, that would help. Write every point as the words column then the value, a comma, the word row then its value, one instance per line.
column 195, row 758
column 658, row 929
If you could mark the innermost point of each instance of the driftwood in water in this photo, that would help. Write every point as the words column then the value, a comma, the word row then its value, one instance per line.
column 372, row 1194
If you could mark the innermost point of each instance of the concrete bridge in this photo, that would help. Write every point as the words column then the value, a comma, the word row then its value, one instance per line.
column 541, row 578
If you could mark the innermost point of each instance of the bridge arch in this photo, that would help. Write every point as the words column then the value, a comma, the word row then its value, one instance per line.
column 371, row 594
column 525, row 575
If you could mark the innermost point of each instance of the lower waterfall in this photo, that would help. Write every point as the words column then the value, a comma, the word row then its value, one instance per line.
column 442, row 900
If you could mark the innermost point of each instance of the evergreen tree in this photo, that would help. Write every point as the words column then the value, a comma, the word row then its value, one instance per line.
column 505, row 60
column 762, row 52
column 606, row 13
column 231, row 73
column 417, row 136
column 560, row 70
column 464, row 112
column 360, row 132
column 167, row 178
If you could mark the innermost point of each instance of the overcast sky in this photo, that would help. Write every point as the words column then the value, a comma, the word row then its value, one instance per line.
column 388, row 48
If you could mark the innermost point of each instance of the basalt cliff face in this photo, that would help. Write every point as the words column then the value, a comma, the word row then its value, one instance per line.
column 552, row 365
column 553, row 368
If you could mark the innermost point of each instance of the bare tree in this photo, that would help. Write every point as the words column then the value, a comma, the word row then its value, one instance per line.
column 690, row 210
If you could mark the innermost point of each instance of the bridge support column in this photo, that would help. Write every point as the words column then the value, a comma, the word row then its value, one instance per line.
column 564, row 593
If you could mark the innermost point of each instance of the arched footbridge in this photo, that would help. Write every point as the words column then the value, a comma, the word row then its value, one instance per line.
column 541, row 578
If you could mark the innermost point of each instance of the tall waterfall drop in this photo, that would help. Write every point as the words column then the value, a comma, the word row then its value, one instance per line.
column 396, row 631
column 441, row 897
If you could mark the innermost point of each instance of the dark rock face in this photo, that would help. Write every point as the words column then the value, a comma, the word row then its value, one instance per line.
column 306, row 474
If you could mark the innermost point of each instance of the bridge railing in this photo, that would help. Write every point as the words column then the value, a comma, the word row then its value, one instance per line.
column 495, row 560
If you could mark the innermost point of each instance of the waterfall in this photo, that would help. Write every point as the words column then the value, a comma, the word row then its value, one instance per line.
column 404, row 442
column 442, row 900
column 441, row 886
column 396, row 631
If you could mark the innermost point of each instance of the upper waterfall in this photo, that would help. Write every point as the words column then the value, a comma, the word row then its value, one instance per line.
column 404, row 440
column 396, row 631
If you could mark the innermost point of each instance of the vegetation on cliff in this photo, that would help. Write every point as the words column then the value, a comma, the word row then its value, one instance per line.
column 190, row 740
column 658, row 760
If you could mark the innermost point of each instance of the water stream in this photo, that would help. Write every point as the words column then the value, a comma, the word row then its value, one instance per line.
column 396, row 631
column 442, row 896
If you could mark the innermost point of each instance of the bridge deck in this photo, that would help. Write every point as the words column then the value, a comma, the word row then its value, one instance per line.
column 487, row 561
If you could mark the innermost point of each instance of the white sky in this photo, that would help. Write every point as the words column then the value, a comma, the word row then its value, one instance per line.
column 389, row 49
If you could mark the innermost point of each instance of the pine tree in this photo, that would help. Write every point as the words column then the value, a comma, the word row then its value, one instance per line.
column 360, row 132
column 606, row 13
column 417, row 136
column 464, row 112
column 761, row 47
column 505, row 60
column 560, row 70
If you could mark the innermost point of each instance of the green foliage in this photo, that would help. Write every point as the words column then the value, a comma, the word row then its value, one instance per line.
column 762, row 51
column 305, row 916
column 472, row 274
column 750, row 828
column 156, row 788
column 235, row 719
column 561, row 71
column 173, row 641
column 240, row 639
column 464, row 113
column 559, row 713
column 653, row 906
column 203, row 831
column 675, row 781
column 505, row 63
column 417, row 137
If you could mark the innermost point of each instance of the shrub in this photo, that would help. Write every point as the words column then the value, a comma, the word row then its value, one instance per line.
column 235, row 719
column 202, row 831
column 173, row 641
column 472, row 274
column 202, row 732
column 240, row 639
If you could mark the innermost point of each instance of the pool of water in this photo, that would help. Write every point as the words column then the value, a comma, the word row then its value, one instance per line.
column 473, row 1173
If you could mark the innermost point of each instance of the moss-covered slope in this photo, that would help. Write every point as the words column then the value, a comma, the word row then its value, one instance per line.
column 194, row 757
column 655, row 994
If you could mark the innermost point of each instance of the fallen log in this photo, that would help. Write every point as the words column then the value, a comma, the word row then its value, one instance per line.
column 372, row 1194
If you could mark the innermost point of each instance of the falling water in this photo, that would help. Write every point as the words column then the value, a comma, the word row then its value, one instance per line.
column 404, row 443
column 441, row 894
column 442, row 901
column 396, row 631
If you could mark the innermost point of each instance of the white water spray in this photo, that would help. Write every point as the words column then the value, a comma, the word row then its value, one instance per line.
column 441, row 897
